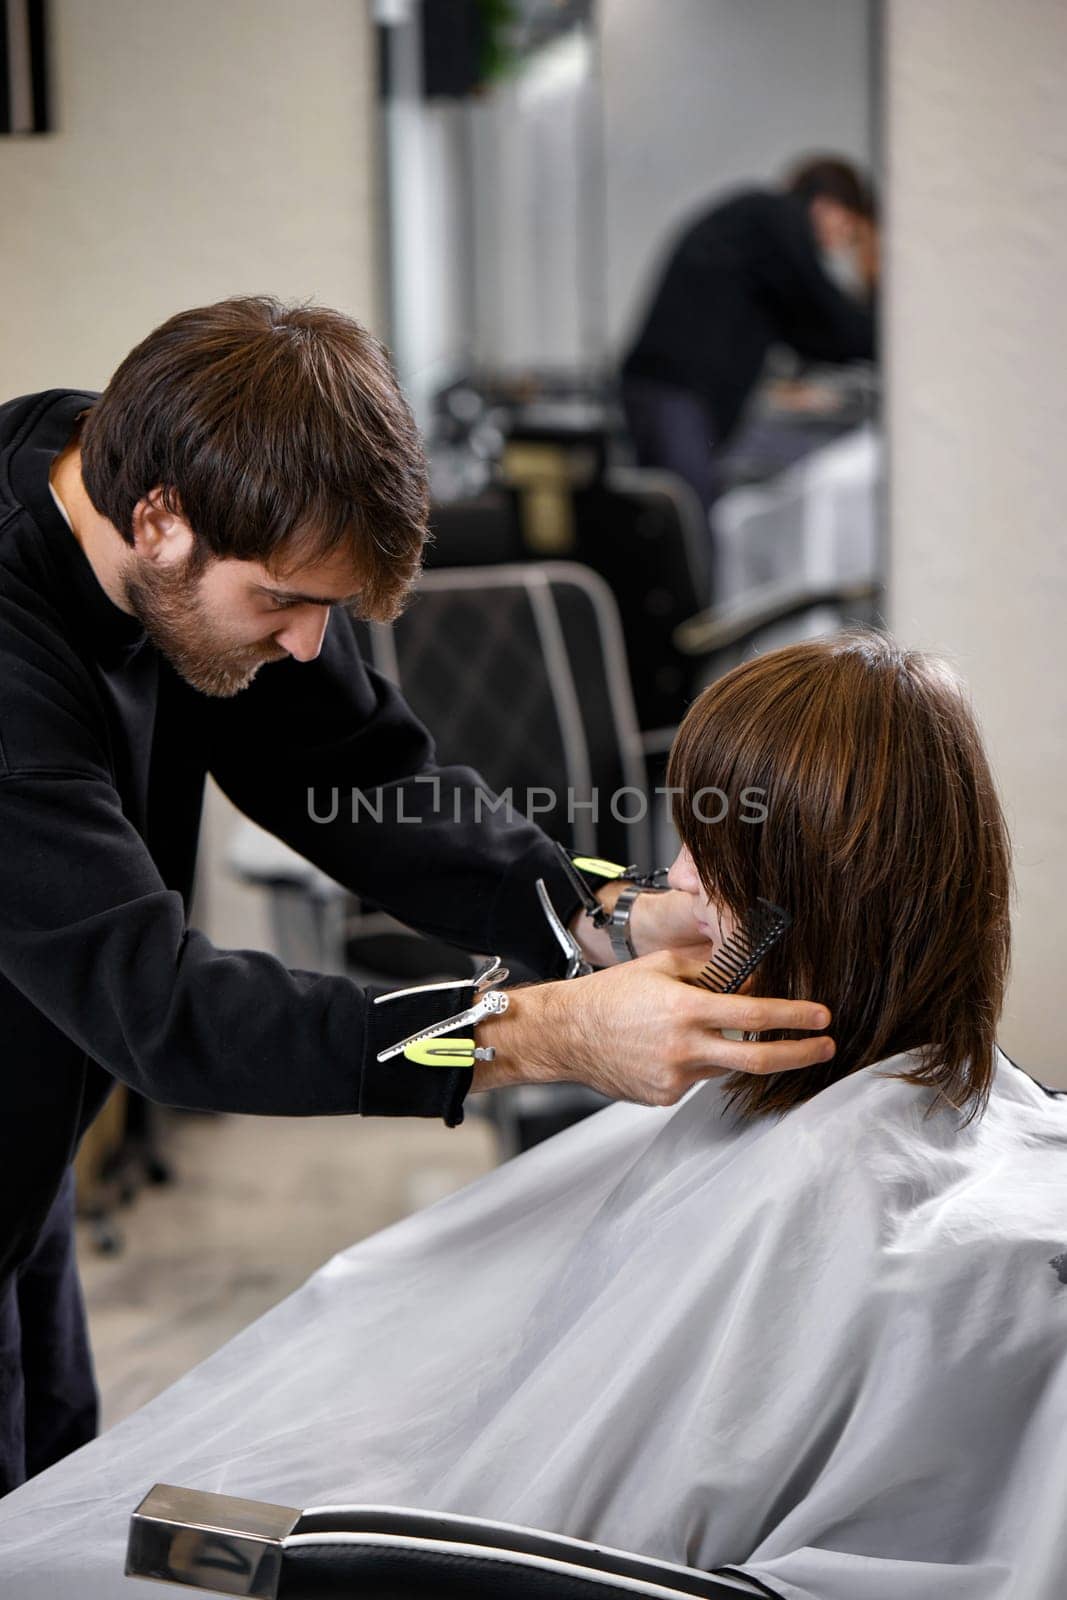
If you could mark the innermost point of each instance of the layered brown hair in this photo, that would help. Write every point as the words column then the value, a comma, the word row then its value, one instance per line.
column 883, row 838
column 280, row 435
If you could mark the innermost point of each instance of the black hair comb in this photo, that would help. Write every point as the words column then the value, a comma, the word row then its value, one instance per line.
column 755, row 935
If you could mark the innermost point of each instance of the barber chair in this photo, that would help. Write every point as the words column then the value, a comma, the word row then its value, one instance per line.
column 520, row 672
column 642, row 531
column 646, row 534
column 474, row 531
column 216, row 1544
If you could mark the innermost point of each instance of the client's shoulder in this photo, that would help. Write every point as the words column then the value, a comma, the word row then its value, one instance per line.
column 936, row 1178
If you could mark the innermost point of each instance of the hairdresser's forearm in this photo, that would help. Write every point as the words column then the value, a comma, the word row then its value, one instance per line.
column 529, row 1039
column 641, row 1031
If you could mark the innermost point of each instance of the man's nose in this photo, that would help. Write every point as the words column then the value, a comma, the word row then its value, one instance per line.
column 303, row 636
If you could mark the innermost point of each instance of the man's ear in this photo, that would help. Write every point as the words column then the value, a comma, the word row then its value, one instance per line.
column 160, row 533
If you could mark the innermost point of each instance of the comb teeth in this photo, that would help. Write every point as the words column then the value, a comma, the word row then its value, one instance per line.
column 759, row 931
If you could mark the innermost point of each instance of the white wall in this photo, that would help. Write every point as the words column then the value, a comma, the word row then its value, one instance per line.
column 703, row 94
column 203, row 148
column 977, row 154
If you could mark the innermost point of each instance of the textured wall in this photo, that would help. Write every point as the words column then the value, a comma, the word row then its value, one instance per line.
column 977, row 152
column 201, row 150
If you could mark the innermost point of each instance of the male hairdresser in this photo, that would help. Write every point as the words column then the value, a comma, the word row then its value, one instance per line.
column 175, row 561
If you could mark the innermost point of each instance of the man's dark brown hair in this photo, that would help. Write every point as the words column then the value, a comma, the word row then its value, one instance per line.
column 834, row 179
column 884, row 839
column 280, row 435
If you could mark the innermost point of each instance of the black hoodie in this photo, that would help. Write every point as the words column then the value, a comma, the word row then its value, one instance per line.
column 103, row 755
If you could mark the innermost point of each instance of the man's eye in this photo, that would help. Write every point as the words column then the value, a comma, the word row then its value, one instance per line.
column 282, row 605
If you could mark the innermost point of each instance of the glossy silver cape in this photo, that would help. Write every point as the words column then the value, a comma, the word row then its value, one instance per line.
column 829, row 1350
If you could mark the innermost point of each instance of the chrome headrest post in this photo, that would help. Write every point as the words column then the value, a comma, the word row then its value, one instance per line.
column 209, row 1541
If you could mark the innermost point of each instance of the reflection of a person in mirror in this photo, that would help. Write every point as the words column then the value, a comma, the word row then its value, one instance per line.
column 796, row 267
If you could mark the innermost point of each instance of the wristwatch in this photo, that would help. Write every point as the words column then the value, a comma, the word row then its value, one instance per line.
column 618, row 925
column 617, row 920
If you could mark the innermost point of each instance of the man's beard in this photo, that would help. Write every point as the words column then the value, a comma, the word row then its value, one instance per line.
column 168, row 604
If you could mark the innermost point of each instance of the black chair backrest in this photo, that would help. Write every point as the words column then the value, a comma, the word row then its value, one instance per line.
column 520, row 672
column 275, row 1552
column 476, row 531
column 643, row 531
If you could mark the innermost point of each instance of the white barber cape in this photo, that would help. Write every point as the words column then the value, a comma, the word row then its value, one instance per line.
column 829, row 1350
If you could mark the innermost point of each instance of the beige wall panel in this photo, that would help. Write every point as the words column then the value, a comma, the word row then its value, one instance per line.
column 977, row 346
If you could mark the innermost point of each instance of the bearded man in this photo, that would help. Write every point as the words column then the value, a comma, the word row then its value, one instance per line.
column 176, row 556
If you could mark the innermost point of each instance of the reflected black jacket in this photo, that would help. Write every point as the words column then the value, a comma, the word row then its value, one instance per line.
column 744, row 276
column 103, row 755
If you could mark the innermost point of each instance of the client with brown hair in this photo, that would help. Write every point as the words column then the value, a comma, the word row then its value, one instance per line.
column 884, row 839
column 810, row 1328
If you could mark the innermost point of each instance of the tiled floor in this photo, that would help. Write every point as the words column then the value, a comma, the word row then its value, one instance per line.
column 258, row 1204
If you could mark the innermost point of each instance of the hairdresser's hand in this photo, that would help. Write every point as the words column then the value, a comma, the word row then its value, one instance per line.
column 643, row 1032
